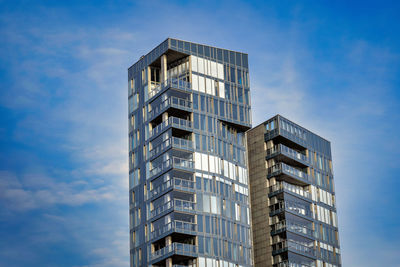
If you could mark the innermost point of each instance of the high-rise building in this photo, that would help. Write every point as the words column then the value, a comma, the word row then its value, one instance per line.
column 189, row 108
column 294, row 220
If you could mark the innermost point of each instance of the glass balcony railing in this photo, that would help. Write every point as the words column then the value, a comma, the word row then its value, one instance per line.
column 174, row 248
column 175, row 182
column 292, row 245
column 289, row 170
column 178, row 226
column 288, row 152
column 156, row 87
column 182, row 143
column 177, row 204
column 176, row 142
column 291, row 264
column 294, row 207
column 171, row 101
column 172, row 121
column 173, row 162
column 298, row 190
column 292, row 226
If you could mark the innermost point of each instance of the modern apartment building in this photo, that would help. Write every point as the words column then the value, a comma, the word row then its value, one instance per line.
column 293, row 207
column 189, row 109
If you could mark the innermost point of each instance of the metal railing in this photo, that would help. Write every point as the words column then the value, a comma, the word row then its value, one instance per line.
column 174, row 121
column 178, row 204
column 298, row 190
column 176, row 142
column 174, row 162
column 176, row 248
column 291, row 264
column 280, row 148
column 294, row 227
column 291, row 245
column 171, row 101
column 291, row 206
column 175, row 182
column 156, row 87
column 174, row 225
column 289, row 170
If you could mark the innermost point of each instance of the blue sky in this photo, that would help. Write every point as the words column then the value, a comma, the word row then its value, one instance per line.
column 331, row 66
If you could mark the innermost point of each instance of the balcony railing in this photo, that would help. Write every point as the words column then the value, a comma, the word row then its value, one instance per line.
column 174, row 248
column 174, row 162
column 291, row 264
column 298, row 190
column 176, row 143
column 282, row 206
column 171, row 101
column 175, row 182
column 291, row 245
column 287, row 151
column 178, row 226
column 156, row 87
column 292, row 226
column 172, row 121
column 289, row 170
column 177, row 204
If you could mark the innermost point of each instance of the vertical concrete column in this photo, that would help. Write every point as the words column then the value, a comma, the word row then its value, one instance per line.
column 168, row 262
column 164, row 68
column 190, row 69
column 168, row 240
column 165, row 116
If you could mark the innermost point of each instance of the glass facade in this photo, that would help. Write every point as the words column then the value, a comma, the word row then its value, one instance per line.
column 189, row 109
column 301, row 207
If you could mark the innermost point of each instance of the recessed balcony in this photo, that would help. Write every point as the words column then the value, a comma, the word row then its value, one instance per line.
column 171, row 102
column 174, row 142
column 298, row 209
column 157, row 87
column 174, row 162
column 174, row 183
column 291, row 174
column 174, row 249
column 289, row 245
column 281, row 187
column 174, row 204
column 174, row 226
column 293, row 227
column 174, row 122
column 288, row 155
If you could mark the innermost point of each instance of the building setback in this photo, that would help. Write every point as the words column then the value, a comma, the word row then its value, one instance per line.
column 293, row 208
column 189, row 108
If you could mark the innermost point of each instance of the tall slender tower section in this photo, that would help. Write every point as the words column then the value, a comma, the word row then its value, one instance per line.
column 189, row 108
column 293, row 201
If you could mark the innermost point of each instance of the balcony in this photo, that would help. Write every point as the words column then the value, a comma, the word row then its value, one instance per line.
column 293, row 175
column 174, row 248
column 174, row 226
column 289, row 188
column 156, row 87
column 290, row 264
column 174, row 183
column 172, row 122
column 170, row 102
column 176, row 142
column 293, row 156
column 174, row 162
column 293, row 207
column 289, row 245
column 176, row 204
column 292, row 227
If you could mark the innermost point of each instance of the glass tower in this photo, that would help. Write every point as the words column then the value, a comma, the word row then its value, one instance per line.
column 189, row 108
column 294, row 218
